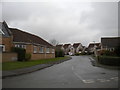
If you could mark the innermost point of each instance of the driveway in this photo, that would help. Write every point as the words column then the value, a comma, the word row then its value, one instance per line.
column 75, row 73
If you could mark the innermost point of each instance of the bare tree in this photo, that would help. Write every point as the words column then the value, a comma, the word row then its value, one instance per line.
column 54, row 42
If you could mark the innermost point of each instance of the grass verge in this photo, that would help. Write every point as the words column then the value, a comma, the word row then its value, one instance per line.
column 18, row 65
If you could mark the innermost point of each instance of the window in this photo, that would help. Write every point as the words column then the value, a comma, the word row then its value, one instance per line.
column 16, row 45
column 53, row 51
column 2, row 48
column 35, row 49
column 47, row 50
column 24, row 46
column 20, row 46
column 41, row 50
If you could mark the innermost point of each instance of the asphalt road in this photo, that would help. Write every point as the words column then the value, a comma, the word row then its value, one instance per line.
column 75, row 73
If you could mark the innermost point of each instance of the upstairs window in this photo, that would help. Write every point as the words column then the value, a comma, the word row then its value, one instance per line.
column 35, row 49
column 41, row 50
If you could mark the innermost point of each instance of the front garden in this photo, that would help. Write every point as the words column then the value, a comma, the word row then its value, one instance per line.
column 24, row 64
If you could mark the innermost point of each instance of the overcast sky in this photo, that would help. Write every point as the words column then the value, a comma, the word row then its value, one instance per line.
column 67, row 22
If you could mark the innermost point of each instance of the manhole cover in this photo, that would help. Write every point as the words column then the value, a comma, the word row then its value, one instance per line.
column 103, row 73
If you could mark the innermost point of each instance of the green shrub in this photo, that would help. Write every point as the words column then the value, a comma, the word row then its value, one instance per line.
column 77, row 54
column 27, row 56
column 83, row 53
column 21, row 53
column 59, row 53
column 90, row 53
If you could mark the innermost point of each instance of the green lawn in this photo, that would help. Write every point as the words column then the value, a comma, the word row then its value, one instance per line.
column 18, row 65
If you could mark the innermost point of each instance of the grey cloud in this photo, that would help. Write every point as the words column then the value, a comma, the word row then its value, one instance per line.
column 64, row 21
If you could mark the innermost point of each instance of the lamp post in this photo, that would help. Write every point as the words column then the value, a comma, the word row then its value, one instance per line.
column 95, row 51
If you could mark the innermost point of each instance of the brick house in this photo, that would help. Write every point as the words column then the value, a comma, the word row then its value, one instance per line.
column 67, row 48
column 77, row 47
column 93, row 46
column 6, row 44
column 110, row 43
column 34, row 45
column 59, row 47
column 6, row 38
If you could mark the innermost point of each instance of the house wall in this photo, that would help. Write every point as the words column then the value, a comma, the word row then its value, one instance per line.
column 35, row 56
column 9, row 57
column 29, row 48
column 7, row 41
column 42, row 56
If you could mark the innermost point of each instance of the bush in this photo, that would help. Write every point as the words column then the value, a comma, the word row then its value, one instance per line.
column 27, row 56
column 77, row 54
column 59, row 53
column 90, row 53
column 21, row 53
column 83, row 53
column 109, row 60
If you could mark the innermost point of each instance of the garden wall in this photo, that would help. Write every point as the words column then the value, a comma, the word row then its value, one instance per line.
column 8, row 57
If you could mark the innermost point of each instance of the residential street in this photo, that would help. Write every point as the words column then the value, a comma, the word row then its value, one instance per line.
column 75, row 73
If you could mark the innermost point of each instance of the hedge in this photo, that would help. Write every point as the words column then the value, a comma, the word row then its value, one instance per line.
column 59, row 53
column 109, row 60
column 21, row 53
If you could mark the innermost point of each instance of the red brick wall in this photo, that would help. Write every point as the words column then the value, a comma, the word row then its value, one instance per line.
column 7, row 41
column 8, row 57
column 41, row 56
column 35, row 56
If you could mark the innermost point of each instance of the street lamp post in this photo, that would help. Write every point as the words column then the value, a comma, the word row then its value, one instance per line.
column 95, row 51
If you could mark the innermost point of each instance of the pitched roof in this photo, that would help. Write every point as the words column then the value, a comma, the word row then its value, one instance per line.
column 91, row 45
column 58, row 46
column 110, row 41
column 4, row 29
column 66, row 45
column 75, row 45
column 21, row 36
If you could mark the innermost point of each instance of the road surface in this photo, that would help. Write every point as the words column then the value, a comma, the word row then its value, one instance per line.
column 75, row 73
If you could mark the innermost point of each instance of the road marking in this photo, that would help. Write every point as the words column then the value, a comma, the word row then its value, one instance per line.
column 103, row 80
column 84, row 81
column 79, row 76
column 108, row 80
column 88, row 81
column 114, row 78
column 76, row 74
